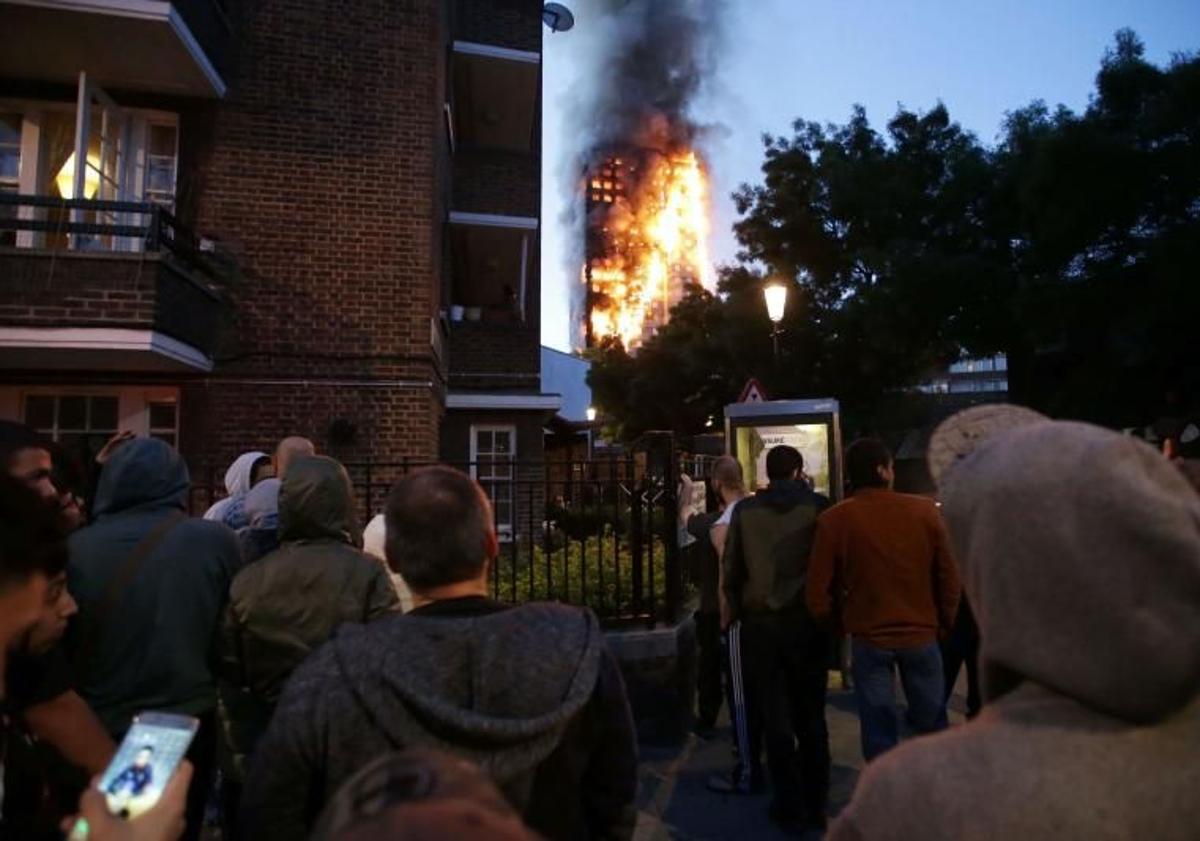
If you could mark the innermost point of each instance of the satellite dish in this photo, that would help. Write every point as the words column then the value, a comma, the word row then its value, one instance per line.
column 558, row 17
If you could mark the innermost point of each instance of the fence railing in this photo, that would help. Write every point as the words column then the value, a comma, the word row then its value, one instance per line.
column 120, row 226
column 600, row 533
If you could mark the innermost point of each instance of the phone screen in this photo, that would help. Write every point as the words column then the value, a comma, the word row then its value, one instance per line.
column 145, row 761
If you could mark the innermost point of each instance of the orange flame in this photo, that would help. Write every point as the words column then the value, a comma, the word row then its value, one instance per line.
column 653, row 243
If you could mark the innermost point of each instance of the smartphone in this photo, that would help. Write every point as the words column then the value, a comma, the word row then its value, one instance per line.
column 149, row 754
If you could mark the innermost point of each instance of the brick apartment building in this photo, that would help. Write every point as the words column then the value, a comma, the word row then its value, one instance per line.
column 296, row 217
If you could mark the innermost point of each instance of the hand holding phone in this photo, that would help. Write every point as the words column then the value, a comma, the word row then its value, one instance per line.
column 164, row 821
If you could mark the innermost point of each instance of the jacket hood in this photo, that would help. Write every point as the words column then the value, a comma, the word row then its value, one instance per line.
column 144, row 472
column 261, row 506
column 498, row 688
column 240, row 473
column 784, row 495
column 1081, row 553
column 316, row 502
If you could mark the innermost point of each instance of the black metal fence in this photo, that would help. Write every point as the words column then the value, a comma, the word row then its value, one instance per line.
column 103, row 225
column 600, row 533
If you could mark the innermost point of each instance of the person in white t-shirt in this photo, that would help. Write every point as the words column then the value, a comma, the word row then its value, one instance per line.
column 746, row 776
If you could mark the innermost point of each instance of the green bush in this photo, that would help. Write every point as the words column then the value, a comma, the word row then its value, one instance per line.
column 596, row 572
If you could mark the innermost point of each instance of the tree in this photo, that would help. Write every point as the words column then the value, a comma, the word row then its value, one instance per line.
column 1102, row 211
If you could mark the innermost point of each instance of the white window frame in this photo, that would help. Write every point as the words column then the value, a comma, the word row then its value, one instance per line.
column 58, row 394
column 505, row 530
column 133, row 403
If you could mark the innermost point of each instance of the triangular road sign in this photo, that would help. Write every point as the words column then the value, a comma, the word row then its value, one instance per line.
column 753, row 392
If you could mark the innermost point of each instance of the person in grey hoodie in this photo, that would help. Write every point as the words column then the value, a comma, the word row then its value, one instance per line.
column 1081, row 552
column 144, row 635
column 530, row 693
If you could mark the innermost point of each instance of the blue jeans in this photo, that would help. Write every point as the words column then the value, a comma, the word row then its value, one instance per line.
column 923, row 681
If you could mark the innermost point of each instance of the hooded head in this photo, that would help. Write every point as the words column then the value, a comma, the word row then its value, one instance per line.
column 316, row 502
column 261, row 506
column 1081, row 554
column 417, row 794
column 240, row 476
column 144, row 473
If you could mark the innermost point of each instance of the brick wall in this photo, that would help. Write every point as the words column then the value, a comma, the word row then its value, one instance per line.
column 140, row 292
column 507, row 356
column 320, row 171
column 394, row 420
column 516, row 24
column 497, row 182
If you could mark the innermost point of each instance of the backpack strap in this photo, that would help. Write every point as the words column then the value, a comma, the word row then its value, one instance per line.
column 117, row 587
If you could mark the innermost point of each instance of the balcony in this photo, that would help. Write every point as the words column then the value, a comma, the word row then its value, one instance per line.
column 495, row 98
column 177, row 48
column 90, row 285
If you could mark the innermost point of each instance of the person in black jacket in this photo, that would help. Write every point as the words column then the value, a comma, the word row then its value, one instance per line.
column 530, row 693
column 786, row 652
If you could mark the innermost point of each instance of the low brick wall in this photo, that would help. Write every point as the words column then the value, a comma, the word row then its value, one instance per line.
column 659, row 667
column 133, row 291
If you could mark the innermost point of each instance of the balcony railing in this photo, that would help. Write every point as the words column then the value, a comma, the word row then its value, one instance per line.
column 110, row 226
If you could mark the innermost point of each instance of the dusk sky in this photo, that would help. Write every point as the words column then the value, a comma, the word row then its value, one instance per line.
column 814, row 59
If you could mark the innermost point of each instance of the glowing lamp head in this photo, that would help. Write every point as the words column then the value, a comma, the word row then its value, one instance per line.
column 776, row 297
column 591, row 413
column 66, row 178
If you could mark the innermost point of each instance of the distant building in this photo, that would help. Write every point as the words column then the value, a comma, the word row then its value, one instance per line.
column 986, row 375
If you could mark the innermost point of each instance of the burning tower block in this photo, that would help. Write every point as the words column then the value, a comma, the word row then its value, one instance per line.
column 647, row 241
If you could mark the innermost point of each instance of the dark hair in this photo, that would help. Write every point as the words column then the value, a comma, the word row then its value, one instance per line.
column 15, row 437
column 863, row 459
column 32, row 538
column 438, row 526
column 146, row 747
column 783, row 462
column 259, row 464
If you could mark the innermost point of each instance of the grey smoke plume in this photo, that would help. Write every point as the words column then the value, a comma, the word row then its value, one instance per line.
column 649, row 71
column 645, row 63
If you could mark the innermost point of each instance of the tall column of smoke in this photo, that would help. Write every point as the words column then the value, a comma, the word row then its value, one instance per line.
column 646, row 64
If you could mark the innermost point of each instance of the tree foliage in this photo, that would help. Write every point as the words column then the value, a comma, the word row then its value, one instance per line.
column 1072, row 245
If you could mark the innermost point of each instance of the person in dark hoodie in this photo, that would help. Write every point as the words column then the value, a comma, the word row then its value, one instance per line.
column 151, row 585
column 786, row 653
column 530, row 693
column 1087, row 600
column 287, row 604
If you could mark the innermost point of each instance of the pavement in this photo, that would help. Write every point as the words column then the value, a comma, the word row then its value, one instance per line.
column 675, row 803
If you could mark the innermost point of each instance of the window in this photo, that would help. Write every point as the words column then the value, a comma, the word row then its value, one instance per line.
column 493, row 450
column 80, row 422
column 10, row 168
column 161, row 162
column 163, row 421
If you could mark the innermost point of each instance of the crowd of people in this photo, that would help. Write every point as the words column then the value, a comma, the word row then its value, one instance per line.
column 1080, row 550
column 351, row 686
column 267, row 622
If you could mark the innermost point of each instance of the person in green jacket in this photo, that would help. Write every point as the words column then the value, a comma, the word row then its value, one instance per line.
column 285, row 605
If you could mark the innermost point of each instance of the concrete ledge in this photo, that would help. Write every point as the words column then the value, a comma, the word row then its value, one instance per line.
column 659, row 667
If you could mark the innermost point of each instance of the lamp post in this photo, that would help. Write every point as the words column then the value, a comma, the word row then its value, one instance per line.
column 775, row 294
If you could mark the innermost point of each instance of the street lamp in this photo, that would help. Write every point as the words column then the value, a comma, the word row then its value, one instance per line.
column 591, row 414
column 776, row 298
